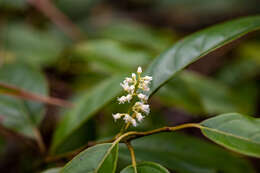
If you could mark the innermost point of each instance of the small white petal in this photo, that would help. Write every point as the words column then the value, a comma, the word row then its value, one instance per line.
column 133, row 121
column 122, row 99
column 145, row 108
column 142, row 97
column 133, row 75
column 138, row 104
column 125, row 86
column 128, row 80
column 131, row 89
column 145, row 88
column 146, row 82
column 139, row 117
column 139, row 70
column 127, row 118
column 147, row 79
column 117, row 116
column 128, row 98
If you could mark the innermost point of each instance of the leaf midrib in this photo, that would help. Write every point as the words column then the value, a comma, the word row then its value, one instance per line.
column 105, row 156
column 228, row 134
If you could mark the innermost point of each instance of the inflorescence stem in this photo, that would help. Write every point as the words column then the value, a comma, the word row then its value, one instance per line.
column 132, row 153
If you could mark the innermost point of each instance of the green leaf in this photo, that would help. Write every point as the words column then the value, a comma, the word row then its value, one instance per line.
column 244, row 68
column 146, row 167
column 101, row 158
column 193, row 92
column 112, row 56
column 130, row 32
column 52, row 170
column 17, row 114
column 185, row 154
column 15, row 4
column 196, row 46
column 76, row 10
column 234, row 131
column 86, row 106
column 238, row 71
column 26, row 44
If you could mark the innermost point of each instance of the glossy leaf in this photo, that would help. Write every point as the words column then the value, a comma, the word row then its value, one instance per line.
column 196, row 46
column 101, row 158
column 52, row 170
column 234, row 131
column 85, row 107
column 185, row 154
column 146, row 167
column 17, row 114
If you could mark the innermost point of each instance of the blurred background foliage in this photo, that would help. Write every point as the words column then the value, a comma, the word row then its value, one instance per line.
column 68, row 48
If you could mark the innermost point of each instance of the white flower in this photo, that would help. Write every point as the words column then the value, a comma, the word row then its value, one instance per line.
column 139, row 70
column 144, row 86
column 133, row 76
column 139, row 117
column 127, row 118
column 128, row 80
column 128, row 98
column 140, row 107
column 133, row 121
column 131, row 89
column 122, row 99
column 148, row 78
column 117, row 116
column 145, row 108
column 142, row 97
column 146, row 83
column 125, row 86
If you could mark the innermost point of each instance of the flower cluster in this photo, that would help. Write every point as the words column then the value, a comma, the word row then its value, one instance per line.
column 135, row 86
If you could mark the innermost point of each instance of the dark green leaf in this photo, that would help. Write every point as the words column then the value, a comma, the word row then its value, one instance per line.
column 185, row 154
column 17, row 114
column 26, row 44
column 234, row 131
column 85, row 107
column 52, row 170
column 137, row 34
column 16, row 4
column 193, row 92
column 196, row 46
column 101, row 158
column 146, row 167
column 111, row 56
